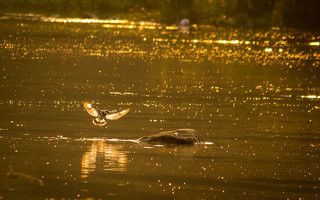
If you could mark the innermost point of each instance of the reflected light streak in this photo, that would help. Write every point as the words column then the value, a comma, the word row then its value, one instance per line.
column 123, row 93
column 227, row 41
column 204, row 41
column 172, row 28
column 112, row 158
column 314, row 43
column 81, row 20
column 310, row 96
column 107, row 23
column 268, row 50
column 130, row 26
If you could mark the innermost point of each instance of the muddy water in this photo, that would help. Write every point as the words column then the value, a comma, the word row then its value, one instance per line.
column 253, row 95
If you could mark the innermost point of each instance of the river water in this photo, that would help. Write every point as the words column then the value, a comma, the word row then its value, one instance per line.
column 253, row 95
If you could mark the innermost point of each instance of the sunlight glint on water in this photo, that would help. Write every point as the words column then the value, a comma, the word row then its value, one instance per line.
column 253, row 95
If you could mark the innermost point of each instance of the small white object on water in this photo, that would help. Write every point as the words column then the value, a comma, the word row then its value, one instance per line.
column 184, row 26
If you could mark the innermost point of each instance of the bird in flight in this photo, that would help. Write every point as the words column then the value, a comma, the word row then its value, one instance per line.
column 102, row 115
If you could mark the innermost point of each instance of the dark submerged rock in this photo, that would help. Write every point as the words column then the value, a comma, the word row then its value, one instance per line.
column 174, row 137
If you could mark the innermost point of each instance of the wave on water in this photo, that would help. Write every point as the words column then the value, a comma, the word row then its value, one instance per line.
column 108, row 140
column 113, row 140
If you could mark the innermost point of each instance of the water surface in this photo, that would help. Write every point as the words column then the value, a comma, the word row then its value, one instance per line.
column 253, row 95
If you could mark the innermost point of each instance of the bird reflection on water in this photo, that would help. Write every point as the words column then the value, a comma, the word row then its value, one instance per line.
column 103, row 156
column 112, row 157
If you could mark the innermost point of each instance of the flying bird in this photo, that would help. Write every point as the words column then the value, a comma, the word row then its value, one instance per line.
column 102, row 115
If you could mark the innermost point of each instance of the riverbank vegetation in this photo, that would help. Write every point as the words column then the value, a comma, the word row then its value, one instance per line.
column 243, row 13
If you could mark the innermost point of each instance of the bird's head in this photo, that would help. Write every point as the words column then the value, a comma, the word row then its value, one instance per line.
column 87, row 104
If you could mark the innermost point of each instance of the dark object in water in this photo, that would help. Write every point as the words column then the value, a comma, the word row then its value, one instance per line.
column 174, row 137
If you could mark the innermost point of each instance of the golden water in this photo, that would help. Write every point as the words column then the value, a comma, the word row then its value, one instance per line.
column 253, row 95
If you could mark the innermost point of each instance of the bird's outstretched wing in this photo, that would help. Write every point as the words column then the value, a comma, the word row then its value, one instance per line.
column 114, row 115
column 90, row 109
